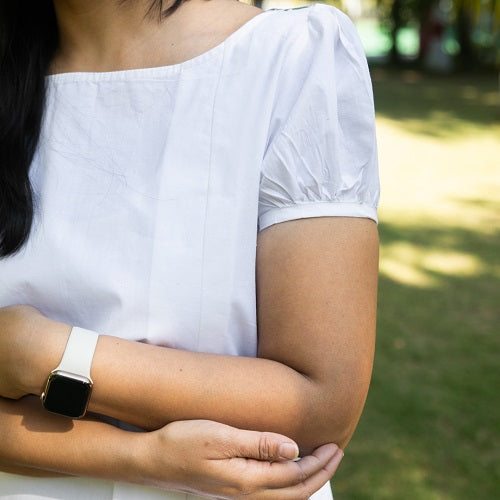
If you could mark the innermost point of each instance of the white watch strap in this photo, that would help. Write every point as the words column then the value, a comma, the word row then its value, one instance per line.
column 79, row 352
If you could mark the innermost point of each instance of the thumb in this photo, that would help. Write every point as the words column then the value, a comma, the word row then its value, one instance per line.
column 265, row 446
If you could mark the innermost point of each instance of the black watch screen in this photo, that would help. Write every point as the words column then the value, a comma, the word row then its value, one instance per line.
column 67, row 394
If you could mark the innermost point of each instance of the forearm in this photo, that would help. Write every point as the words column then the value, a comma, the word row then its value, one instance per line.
column 149, row 386
column 200, row 457
column 316, row 288
column 40, row 444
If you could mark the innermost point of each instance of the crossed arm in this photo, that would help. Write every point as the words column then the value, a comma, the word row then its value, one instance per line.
column 316, row 290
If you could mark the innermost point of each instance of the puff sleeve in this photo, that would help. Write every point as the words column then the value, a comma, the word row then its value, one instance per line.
column 321, row 158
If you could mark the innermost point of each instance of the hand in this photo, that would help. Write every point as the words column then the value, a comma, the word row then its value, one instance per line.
column 218, row 461
column 30, row 347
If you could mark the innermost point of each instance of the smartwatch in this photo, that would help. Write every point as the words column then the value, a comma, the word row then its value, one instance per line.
column 69, row 386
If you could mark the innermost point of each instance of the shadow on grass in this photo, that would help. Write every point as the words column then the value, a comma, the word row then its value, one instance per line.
column 438, row 106
column 431, row 425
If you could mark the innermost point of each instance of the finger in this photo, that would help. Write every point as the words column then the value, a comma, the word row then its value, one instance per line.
column 263, row 445
column 306, row 467
column 309, row 486
column 265, row 475
column 258, row 479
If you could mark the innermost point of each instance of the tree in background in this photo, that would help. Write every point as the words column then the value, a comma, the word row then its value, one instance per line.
column 475, row 24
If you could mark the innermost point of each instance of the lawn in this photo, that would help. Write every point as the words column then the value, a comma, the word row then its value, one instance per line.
column 431, row 426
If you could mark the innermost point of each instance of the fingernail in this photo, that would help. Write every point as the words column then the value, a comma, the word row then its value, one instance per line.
column 288, row 451
column 339, row 454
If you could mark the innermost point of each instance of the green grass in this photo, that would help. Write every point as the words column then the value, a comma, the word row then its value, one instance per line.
column 431, row 426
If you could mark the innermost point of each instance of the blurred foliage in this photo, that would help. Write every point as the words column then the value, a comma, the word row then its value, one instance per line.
column 474, row 23
column 450, row 34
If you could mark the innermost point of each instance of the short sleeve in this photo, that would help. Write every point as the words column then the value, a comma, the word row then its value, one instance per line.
column 321, row 158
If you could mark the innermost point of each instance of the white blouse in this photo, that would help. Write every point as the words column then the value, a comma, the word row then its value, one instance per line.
column 152, row 184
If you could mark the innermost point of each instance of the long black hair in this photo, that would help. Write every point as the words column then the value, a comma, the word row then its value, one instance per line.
column 29, row 39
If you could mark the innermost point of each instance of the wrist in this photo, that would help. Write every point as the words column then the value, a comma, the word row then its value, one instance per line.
column 45, row 349
column 138, row 457
column 151, row 461
column 131, row 457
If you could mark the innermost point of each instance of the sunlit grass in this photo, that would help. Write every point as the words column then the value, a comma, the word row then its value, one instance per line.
column 455, row 179
column 431, row 426
column 409, row 264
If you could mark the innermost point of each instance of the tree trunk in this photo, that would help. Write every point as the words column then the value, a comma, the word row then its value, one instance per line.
column 467, row 57
column 397, row 24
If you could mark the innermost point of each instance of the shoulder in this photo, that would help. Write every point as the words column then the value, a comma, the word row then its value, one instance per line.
column 227, row 16
column 312, row 21
column 294, row 40
column 309, row 47
column 320, row 158
column 285, row 38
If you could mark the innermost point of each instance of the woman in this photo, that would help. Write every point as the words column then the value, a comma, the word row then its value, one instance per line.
column 172, row 145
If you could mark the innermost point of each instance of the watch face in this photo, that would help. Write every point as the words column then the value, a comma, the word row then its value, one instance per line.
column 67, row 394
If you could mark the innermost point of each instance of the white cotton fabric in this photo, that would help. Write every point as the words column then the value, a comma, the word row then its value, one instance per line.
column 151, row 186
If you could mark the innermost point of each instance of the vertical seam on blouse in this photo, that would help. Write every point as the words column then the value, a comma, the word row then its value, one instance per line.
column 210, row 156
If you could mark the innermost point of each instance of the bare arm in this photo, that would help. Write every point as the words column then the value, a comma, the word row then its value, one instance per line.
column 199, row 456
column 60, row 446
column 316, row 295
column 317, row 290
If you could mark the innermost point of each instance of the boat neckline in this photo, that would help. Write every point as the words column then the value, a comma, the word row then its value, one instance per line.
column 166, row 69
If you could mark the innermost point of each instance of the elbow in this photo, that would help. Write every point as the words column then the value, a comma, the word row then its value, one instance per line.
column 328, row 425
column 339, row 421
column 333, row 411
